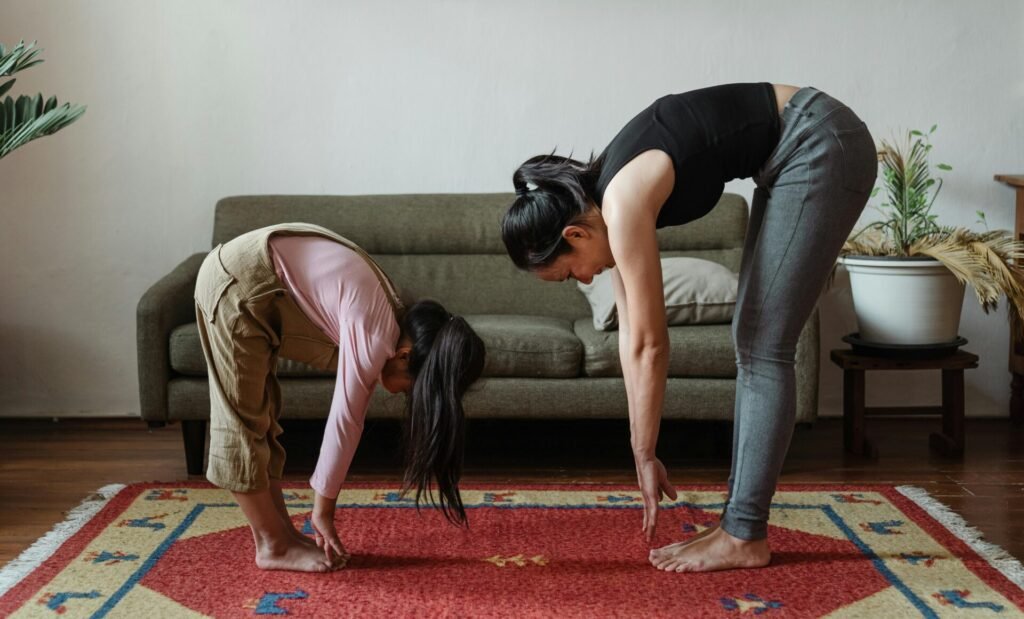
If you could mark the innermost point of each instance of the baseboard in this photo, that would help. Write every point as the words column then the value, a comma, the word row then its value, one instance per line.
column 69, row 415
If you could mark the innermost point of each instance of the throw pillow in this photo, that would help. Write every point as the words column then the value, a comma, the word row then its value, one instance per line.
column 696, row 292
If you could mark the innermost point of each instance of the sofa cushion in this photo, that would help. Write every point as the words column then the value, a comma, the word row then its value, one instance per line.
column 528, row 346
column 696, row 351
column 187, row 356
column 517, row 346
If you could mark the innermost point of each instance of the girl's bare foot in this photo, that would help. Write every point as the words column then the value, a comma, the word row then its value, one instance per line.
column 277, row 495
column 715, row 551
column 293, row 555
column 278, row 544
column 339, row 562
column 297, row 534
column 657, row 552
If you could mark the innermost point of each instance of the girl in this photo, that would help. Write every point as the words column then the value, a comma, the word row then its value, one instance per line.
column 302, row 292
column 814, row 164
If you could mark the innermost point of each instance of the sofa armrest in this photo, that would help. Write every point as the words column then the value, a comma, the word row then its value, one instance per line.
column 167, row 304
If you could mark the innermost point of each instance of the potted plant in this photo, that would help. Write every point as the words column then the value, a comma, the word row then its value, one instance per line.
column 907, row 273
column 28, row 118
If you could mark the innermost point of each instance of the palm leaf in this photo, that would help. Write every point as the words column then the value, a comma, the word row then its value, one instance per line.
column 963, row 263
column 1003, row 255
column 18, row 59
column 28, row 118
column 988, row 262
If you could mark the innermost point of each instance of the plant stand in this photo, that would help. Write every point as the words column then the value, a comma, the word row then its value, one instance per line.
column 949, row 442
column 1016, row 350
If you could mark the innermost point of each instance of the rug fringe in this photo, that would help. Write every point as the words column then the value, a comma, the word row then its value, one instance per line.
column 43, row 548
column 996, row 556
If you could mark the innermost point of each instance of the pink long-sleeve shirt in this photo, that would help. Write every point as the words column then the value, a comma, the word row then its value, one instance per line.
column 339, row 292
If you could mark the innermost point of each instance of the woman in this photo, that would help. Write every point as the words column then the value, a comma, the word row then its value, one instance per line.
column 304, row 293
column 814, row 164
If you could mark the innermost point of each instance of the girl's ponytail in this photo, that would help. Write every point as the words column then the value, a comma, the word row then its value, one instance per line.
column 447, row 357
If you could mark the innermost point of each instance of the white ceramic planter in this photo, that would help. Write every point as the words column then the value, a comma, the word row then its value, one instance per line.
column 904, row 300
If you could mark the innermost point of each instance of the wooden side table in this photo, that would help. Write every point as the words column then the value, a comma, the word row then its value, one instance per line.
column 1016, row 181
column 949, row 442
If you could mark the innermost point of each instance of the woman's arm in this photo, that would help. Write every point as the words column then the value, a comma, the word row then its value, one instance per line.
column 643, row 339
column 622, row 309
column 644, row 360
column 631, row 208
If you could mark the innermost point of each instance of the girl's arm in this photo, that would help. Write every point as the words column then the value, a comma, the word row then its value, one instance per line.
column 361, row 357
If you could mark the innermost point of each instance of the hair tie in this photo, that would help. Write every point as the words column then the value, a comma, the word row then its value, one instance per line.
column 522, row 191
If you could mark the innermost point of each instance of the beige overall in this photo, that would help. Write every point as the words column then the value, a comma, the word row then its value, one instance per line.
column 247, row 319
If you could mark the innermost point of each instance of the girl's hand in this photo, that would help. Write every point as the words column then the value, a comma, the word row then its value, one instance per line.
column 652, row 478
column 326, row 536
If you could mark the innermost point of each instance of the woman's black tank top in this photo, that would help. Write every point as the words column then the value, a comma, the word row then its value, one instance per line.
column 713, row 135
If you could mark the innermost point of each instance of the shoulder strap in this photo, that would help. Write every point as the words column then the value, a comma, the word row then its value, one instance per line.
column 389, row 287
column 305, row 229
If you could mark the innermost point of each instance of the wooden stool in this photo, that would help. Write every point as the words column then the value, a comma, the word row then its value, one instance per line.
column 950, row 442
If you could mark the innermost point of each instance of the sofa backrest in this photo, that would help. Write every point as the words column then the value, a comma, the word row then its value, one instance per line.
column 448, row 246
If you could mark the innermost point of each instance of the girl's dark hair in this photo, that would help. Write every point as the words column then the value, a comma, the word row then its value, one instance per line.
column 552, row 192
column 447, row 357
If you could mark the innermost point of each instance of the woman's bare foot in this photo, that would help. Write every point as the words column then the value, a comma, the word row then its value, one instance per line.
column 715, row 551
column 657, row 552
column 293, row 555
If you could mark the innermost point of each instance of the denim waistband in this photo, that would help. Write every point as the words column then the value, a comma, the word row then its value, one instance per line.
column 810, row 101
column 806, row 111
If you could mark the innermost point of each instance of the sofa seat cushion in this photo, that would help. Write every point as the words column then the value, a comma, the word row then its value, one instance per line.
column 696, row 351
column 528, row 346
column 517, row 346
column 187, row 356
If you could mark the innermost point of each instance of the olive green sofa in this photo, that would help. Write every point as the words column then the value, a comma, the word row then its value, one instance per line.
column 544, row 358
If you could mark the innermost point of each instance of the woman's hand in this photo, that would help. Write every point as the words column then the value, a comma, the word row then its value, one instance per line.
column 654, row 485
column 322, row 520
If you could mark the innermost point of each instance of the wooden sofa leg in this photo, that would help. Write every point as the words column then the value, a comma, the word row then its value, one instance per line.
column 194, row 434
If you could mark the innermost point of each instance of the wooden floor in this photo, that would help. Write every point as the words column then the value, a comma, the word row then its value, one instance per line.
column 47, row 467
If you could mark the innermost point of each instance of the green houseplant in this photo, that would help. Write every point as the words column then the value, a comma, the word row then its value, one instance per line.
column 27, row 118
column 908, row 273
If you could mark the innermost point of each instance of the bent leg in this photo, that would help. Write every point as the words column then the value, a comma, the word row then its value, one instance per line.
column 245, row 456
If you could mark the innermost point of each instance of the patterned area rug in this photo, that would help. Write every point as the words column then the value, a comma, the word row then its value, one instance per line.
column 183, row 550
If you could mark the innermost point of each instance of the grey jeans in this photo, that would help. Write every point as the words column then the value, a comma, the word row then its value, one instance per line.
column 809, row 194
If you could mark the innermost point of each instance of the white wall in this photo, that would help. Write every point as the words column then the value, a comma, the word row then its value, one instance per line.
column 191, row 101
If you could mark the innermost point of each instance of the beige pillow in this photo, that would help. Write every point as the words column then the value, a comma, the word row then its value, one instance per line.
column 696, row 292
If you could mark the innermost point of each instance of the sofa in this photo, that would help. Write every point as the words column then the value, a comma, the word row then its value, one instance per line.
column 544, row 357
